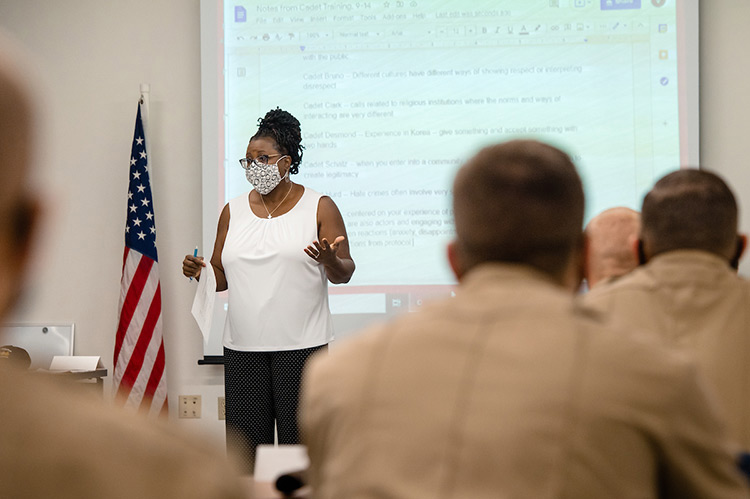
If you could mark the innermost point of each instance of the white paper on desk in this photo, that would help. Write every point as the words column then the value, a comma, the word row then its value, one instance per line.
column 203, row 303
column 76, row 363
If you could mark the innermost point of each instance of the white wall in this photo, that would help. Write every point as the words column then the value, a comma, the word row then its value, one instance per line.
column 93, row 56
column 725, row 100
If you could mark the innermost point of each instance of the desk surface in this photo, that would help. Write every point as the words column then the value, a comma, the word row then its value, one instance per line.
column 95, row 374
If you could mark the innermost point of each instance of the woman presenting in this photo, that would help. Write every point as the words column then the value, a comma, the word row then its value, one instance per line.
column 276, row 249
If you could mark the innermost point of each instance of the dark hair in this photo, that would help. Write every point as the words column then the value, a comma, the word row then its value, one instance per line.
column 689, row 209
column 285, row 130
column 519, row 202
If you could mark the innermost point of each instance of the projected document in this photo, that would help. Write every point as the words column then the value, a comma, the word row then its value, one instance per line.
column 393, row 96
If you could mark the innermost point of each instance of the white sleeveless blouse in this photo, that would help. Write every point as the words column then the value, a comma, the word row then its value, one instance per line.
column 278, row 296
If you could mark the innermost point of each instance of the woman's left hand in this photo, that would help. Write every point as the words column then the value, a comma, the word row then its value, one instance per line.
column 323, row 251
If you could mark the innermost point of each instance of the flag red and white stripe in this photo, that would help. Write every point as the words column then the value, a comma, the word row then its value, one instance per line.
column 139, row 379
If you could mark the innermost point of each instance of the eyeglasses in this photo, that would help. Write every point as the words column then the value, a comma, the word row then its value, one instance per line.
column 262, row 159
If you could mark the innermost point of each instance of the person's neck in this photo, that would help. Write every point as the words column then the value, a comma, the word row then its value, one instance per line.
column 279, row 192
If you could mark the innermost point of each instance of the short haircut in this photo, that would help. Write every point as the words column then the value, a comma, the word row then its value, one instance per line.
column 689, row 209
column 519, row 202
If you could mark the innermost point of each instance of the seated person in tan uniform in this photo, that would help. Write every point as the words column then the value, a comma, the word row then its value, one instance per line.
column 609, row 241
column 688, row 293
column 54, row 442
column 509, row 389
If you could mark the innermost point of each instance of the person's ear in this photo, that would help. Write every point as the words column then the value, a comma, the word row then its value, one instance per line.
column 741, row 244
column 24, row 229
column 586, row 257
column 454, row 259
column 638, row 251
column 573, row 274
column 16, row 239
column 286, row 166
column 582, row 263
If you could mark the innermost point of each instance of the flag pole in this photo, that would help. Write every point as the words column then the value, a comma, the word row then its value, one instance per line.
column 145, row 89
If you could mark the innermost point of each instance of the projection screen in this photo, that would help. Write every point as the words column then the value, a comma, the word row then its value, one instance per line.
column 394, row 95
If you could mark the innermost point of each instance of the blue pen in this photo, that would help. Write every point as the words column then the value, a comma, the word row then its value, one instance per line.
column 195, row 254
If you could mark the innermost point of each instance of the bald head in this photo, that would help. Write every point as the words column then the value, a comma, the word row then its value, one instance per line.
column 518, row 202
column 690, row 209
column 609, row 242
column 17, row 211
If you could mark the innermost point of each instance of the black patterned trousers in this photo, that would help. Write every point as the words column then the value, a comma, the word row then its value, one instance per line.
column 262, row 393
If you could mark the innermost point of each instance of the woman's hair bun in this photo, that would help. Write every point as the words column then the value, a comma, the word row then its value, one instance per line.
column 285, row 129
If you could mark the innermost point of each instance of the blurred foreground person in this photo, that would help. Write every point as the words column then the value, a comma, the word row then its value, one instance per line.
column 55, row 442
column 509, row 389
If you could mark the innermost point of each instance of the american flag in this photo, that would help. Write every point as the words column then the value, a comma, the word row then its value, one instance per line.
column 139, row 380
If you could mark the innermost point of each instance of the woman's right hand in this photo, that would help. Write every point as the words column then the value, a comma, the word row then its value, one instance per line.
column 192, row 265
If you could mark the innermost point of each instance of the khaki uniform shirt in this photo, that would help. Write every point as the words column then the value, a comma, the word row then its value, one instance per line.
column 58, row 443
column 510, row 390
column 695, row 301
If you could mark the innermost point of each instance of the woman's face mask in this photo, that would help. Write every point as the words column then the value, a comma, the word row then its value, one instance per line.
column 264, row 177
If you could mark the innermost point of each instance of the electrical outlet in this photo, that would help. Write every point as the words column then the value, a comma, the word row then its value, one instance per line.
column 190, row 406
column 222, row 408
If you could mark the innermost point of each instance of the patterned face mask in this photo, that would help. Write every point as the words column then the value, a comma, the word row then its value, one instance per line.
column 264, row 176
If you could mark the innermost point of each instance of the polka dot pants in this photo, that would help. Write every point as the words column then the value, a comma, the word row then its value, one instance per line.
column 262, row 389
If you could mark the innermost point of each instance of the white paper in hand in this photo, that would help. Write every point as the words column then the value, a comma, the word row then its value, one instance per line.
column 203, row 303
